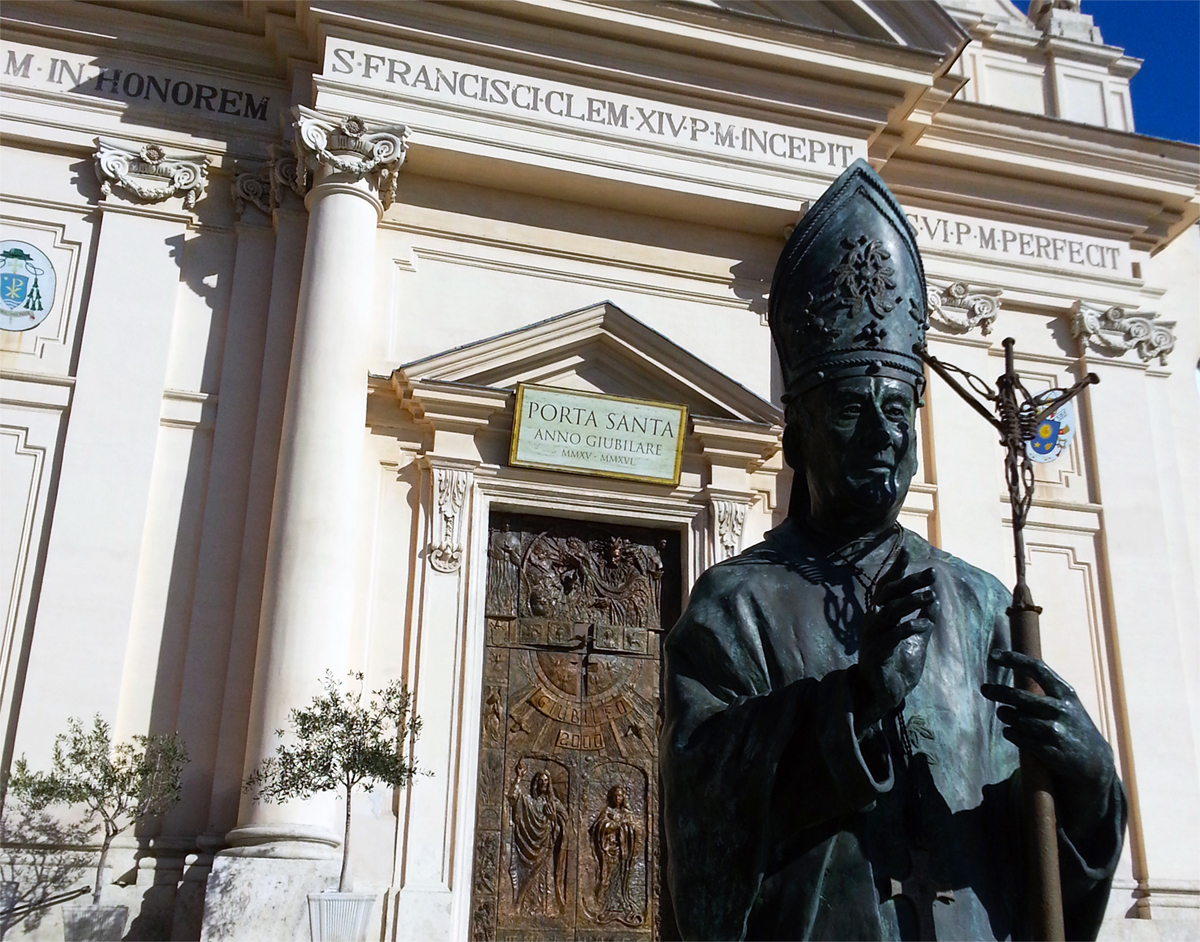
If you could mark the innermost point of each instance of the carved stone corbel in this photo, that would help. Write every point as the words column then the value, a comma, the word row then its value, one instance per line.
column 958, row 309
column 252, row 187
column 729, row 518
column 349, row 146
column 147, row 174
column 1113, row 331
column 446, row 546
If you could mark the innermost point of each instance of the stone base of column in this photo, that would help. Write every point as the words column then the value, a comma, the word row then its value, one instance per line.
column 263, row 899
column 422, row 914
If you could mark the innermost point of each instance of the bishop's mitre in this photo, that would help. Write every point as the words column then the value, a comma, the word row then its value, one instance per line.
column 848, row 297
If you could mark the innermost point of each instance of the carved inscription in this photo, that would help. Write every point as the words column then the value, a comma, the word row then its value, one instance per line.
column 567, row 834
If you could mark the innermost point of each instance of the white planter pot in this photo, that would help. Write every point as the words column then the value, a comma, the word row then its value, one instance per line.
column 84, row 922
column 339, row 917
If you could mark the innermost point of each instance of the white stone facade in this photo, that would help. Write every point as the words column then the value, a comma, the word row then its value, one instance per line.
column 303, row 254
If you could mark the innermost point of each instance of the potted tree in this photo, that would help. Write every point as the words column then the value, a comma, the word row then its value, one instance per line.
column 123, row 784
column 40, row 863
column 341, row 743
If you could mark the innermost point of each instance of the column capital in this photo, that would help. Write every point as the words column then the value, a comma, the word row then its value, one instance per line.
column 351, row 147
column 147, row 175
column 1114, row 331
column 957, row 308
column 283, row 178
column 252, row 187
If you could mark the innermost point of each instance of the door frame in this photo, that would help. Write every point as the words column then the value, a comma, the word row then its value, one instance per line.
column 558, row 496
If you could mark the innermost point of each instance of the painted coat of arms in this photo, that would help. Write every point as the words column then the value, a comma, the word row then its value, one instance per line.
column 27, row 286
column 1054, row 433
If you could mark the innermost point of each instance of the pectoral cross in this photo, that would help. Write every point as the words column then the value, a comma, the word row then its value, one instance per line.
column 922, row 894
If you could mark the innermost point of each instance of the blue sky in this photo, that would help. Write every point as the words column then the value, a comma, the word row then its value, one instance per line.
column 1166, row 34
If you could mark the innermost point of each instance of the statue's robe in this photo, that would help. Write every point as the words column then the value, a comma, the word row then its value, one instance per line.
column 782, row 824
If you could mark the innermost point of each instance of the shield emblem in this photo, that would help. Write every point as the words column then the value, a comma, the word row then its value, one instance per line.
column 13, row 289
column 1053, row 434
column 1046, row 437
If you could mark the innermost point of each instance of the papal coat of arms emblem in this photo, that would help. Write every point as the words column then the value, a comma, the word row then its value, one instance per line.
column 27, row 285
column 1054, row 432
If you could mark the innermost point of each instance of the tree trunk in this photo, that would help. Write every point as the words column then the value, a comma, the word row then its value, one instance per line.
column 108, row 839
column 345, row 846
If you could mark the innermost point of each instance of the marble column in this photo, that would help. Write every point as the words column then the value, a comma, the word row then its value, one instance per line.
column 309, row 582
column 290, row 222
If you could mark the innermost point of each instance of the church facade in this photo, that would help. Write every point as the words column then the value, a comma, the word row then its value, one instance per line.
column 287, row 288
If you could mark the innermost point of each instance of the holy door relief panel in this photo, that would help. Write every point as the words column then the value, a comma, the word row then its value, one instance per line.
column 567, row 832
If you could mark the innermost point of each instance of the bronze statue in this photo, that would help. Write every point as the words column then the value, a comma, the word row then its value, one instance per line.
column 833, row 761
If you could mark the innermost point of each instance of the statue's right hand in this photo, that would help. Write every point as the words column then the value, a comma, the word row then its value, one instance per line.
column 892, row 645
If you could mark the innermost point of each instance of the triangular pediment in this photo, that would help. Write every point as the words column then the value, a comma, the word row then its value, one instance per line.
column 601, row 349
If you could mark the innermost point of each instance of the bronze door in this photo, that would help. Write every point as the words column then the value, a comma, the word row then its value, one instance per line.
column 567, row 830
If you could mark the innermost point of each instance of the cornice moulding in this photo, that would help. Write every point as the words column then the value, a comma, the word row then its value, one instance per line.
column 1028, row 184
column 651, row 38
column 831, row 104
column 1073, row 50
column 1179, row 158
column 670, row 23
column 143, row 34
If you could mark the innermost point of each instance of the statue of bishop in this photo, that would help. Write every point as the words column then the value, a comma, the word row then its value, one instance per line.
column 839, row 755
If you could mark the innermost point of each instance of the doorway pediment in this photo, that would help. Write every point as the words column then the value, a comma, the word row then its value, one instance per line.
column 600, row 348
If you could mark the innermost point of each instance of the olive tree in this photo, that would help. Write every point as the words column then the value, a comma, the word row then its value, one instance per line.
column 40, row 862
column 341, row 743
column 122, row 784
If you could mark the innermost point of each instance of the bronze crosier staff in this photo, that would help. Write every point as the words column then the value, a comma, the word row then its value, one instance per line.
column 1017, row 420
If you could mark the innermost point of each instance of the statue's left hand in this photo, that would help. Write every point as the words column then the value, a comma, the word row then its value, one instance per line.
column 1056, row 730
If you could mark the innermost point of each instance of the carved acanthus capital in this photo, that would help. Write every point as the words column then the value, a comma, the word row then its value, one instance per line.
column 252, row 187
column 446, row 545
column 729, row 519
column 349, row 146
column 1113, row 331
column 147, row 174
column 958, row 308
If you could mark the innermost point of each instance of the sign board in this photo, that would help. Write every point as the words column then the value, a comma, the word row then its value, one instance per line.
column 589, row 433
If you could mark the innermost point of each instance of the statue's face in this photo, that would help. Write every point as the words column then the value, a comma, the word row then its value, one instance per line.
column 858, row 449
column 618, row 796
column 541, row 784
